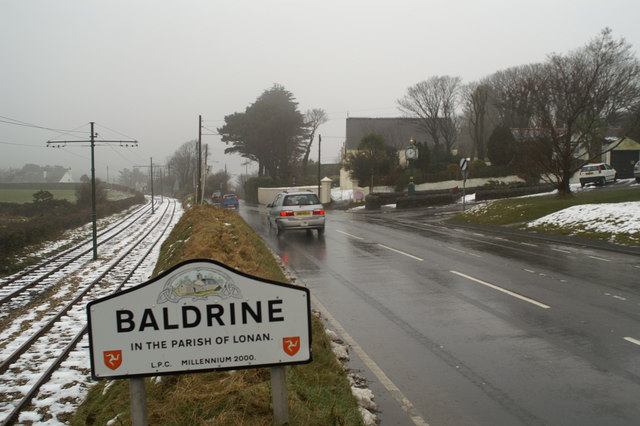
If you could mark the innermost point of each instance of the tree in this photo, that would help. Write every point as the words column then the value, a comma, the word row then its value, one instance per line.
column 83, row 193
column 501, row 146
column 435, row 102
column 572, row 96
column 42, row 197
column 133, row 179
column 271, row 131
column 512, row 90
column 373, row 160
column 218, row 181
column 183, row 165
column 476, row 104
column 313, row 118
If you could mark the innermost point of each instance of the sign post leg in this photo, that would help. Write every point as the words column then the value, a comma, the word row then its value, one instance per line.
column 138, row 400
column 279, row 395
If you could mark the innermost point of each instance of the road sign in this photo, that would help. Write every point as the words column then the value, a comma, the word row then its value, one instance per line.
column 198, row 316
column 464, row 163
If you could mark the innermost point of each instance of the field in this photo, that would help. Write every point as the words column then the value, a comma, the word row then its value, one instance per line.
column 21, row 196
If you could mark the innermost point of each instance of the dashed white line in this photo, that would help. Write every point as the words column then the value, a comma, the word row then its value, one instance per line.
column 401, row 252
column 397, row 394
column 528, row 244
column 616, row 296
column 600, row 258
column 632, row 340
column 560, row 250
column 464, row 252
column 350, row 235
column 503, row 290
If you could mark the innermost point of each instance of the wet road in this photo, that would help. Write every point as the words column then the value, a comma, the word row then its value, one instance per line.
column 456, row 327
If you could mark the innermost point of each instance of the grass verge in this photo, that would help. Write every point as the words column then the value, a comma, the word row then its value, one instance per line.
column 515, row 212
column 319, row 393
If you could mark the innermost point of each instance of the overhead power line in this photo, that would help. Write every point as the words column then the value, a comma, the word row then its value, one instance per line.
column 92, row 141
column 15, row 122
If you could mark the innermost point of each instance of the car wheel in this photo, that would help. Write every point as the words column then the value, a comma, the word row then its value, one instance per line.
column 321, row 231
column 279, row 230
column 638, row 180
column 603, row 181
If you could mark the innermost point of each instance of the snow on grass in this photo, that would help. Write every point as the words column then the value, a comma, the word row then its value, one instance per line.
column 615, row 218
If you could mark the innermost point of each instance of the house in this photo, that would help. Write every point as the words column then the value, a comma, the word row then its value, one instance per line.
column 66, row 178
column 396, row 131
column 623, row 157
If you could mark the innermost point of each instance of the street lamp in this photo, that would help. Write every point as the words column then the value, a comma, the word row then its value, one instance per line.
column 412, row 155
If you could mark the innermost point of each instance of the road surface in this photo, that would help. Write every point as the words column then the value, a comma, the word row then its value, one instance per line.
column 453, row 326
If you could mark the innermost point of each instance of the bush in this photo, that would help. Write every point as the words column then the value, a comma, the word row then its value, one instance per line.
column 427, row 200
column 377, row 199
column 39, row 222
column 510, row 192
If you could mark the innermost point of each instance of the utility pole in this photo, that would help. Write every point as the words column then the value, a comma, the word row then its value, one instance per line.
column 319, row 164
column 92, row 142
column 151, row 173
column 205, row 171
column 199, row 168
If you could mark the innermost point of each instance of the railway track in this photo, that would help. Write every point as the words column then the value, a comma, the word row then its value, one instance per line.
column 49, row 269
column 44, row 367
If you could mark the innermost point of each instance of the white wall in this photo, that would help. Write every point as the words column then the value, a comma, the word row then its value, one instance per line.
column 266, row 195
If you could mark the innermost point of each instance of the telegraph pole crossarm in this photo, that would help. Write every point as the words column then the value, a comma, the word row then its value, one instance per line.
column 92, row 141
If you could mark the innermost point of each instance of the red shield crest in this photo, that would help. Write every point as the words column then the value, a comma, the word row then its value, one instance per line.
column 291, row 345
column 112, row 359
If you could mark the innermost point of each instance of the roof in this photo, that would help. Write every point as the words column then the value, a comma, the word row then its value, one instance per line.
column 396, row 131
column 627, row 144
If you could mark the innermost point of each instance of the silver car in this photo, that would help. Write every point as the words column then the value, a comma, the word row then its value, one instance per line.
column 296, row 210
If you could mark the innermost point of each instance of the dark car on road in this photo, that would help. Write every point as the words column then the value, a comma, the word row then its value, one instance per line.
column 230, row 201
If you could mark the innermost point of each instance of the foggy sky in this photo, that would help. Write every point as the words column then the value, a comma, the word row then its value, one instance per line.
column 145, row 70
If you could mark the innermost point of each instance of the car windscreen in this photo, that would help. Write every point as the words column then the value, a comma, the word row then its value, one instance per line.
column 301, row 200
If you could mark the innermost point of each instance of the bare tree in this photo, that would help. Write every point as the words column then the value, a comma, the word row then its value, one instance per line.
column 435, row 102
column 313, row 119
column 513, row 90
column 183, row 165
column 572, row 97
column 475, row 98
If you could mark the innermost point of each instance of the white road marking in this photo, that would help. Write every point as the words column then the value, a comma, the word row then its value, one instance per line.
column 528, row 244
column 503, row 290
column 350, row 235
column 397, row 394
column 632, row 340
column 464, row 252
column 600, row 258
column 529, row 270
column 561, row 251
column 615, row 297
column 401, row 252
